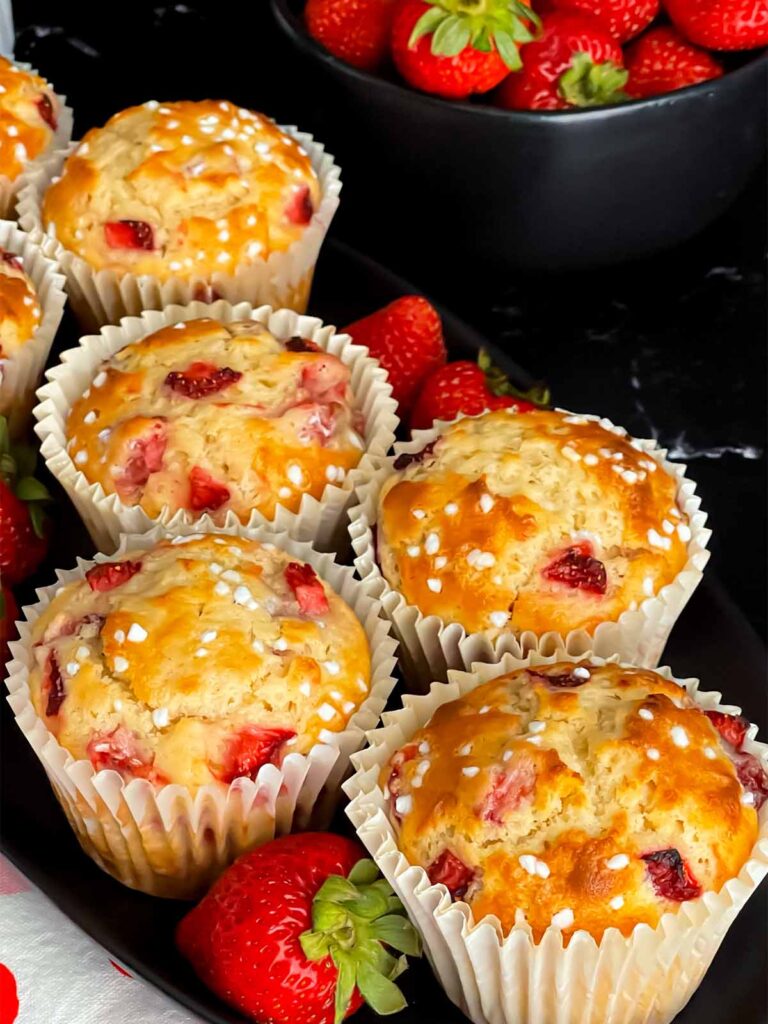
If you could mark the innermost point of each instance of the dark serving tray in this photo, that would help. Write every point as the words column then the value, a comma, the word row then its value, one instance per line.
column 712, row 640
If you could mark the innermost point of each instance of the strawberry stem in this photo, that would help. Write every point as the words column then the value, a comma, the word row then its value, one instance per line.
column 586, row 84
column 353, row 920
column 499, row 384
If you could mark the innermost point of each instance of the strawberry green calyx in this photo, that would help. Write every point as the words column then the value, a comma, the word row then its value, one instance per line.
column 585, row 84
column 499, row 384
column 17, row 464
column 353, row 919
column 503, row 25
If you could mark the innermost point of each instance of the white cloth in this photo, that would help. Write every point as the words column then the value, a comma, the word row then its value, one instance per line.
column 62, row 975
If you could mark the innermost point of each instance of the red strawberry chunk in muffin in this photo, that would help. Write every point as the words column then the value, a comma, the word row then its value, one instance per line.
column 577, row 568
column 732, row 728
column 510, row 789
column 145, row 456
column 325, row 380
column 251, row 748
column 53, row 686
column 395, row 782
column 670, row 876
column 452, row 872
column 119, row 751
column 129, row 234
column 311, row 422
column 299, row 209
column 297, row 344
column 205, row 493
column 411, row 458
column 109, row 575
column 201, row 379
column 12, row 260
column 752, row 776
column 45, row 109
column 307, row 589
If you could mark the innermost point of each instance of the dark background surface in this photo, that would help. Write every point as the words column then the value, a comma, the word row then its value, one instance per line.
column 674, row 346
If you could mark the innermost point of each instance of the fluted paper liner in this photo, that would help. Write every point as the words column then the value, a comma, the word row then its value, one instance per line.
column 21, row 372
column 429, row 646
column 10, row 187
column 104, row 296
column 165, row 840
column 323, row 521
column 498, row 978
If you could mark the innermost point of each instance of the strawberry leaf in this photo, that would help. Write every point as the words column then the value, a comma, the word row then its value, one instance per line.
column 5, row 442
column 345, row 985
column 398, row 933
column 37, row 519
column 29, row 489
column 364, row 872
column 451, row 36
column 499, row 384
column 427, row 23
column 315, row 945
column 508, row 51
column 585, row 84
column 379, row 992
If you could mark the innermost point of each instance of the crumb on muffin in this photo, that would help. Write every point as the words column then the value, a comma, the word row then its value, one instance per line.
column 216, row 417
column 183, row 189
column 584, row 796
column 536, row 521
column 197, row 662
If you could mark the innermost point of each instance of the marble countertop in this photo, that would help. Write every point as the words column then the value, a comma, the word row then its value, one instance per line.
column 672, row 347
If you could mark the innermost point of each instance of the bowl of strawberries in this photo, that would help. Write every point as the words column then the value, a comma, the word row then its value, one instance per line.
column 539, row 134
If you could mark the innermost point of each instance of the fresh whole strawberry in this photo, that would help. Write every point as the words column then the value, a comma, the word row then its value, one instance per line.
column 295, row 931
column 454, row 48
column 407, row 339
column 721, row 24
column 624, row 19
column 661, row 61
column 575, row 62
column 470, row 388
column 23, row 528
column 355, row 31
column 9, row 613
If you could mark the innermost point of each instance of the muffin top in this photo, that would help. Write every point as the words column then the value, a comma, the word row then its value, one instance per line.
column 210, row 417
column 197, row 661
column 20, row 311
column 29, row 114
column 182, row 190
column 587, row 797
column 530, row 521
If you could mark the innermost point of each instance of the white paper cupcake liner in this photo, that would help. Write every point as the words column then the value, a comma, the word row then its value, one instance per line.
column 165, row 840
column 430, row 647
column 10, row 187
column 20, row 373
column 497, row 978
column 323, row 521
column 103, row 296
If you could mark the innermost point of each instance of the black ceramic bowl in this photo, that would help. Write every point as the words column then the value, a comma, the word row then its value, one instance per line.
column 554, row 190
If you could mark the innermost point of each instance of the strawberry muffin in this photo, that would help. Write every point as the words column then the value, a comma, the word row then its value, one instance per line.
column 20, row 310
column 29, row 118
column 197, row 662
column 536, row 521
column 583, row 796
column 214, row 417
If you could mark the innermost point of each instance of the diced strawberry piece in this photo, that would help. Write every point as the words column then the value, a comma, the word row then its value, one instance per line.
column 670, row 876
column 129, row 234
column 205, row 492
column 297, row 344
column 251, row 748
column 119, row 751
column 63, row 625
column 560, row 679
column 201, row 379
column 577, row 568
column 53, row 686
column 299, row 209
column 409, row 458
column 145, row 458
column 510, row 789
column 452, row 872
column 325, row 379
column 311, row 422
column 752, row 776
column 307, row 588
column 732, row 728
column 12, row 260
column 109, row 575
column 395, row 780
column 45, row 109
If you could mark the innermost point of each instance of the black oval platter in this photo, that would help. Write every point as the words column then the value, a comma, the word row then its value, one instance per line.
column 712, row 640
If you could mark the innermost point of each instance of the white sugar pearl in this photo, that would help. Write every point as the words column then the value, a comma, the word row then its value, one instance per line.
column 709, row 753
column 683, row 532
column 432, row 544
column 563, row 918
column 403, row 804
column 120, row 636
column 499, row 619
column 441, row 561
column 535, row 727
column 679, row 736
column 332, row 667
column 121, row 664
column 646, row 714
column 451, row 508
column 72, row 668
column 221, row 589
column 295, row 475
column 470, row 771
column 137, row 634
column 209, row 635
column 413, row 550
column 652, row 754
column 326, row 712
column 160, row 717
column 617, row 862
column 465, row 750
column 486, row 503
column 435, row 585
column 616, row 903
column 423, row 747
